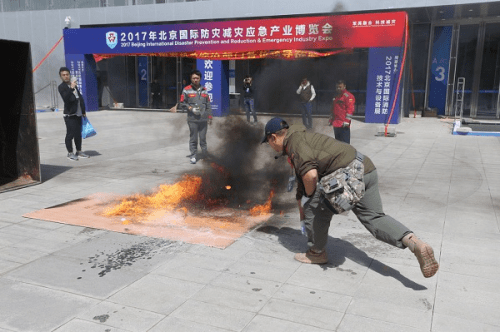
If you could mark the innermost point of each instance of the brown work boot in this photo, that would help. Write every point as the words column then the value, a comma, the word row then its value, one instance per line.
column 312, row 257
column 424, row 253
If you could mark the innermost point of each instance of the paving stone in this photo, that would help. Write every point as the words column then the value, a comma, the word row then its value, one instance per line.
column 48, row 308
column 214, row 315
column 360, row 323
column 303, row 314
column 156, row 293
column 6, row 266
column 264, row 323
column 231, row 298
column 446, row 323
column 189, row 273
column 246, row 284
column 75, row 276
column 121, row 317
column 468, row 297
column 78, row 325
column 181, row 325
column 313, row 297
column 391, row 313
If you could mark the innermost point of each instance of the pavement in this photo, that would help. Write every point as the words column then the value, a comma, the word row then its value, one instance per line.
column 64, row 278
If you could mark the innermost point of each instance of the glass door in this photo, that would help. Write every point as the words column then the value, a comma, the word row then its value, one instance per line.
column 466, row 63
column 488, row 97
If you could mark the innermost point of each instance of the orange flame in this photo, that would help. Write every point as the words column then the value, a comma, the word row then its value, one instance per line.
column 168, row 198
column 264, row 208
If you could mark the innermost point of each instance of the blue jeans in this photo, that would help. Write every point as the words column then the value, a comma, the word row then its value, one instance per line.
column 307, row 114
column 249, row 108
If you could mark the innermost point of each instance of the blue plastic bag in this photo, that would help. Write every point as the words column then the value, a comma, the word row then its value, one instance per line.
column 87, row 129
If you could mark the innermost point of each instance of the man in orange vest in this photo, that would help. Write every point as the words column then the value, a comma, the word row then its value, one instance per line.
column 342, row 111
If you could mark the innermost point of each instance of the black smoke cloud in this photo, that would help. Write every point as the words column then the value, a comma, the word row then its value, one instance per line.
column 238, row 163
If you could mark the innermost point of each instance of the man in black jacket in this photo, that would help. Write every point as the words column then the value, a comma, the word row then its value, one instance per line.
column 74, row 109
column 248, row 98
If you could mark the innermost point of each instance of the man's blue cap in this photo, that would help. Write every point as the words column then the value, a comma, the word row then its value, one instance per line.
column 272, row 126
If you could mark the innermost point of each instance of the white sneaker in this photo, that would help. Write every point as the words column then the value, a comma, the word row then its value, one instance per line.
column 71, row 156
column 193, row 160
column 80, row 154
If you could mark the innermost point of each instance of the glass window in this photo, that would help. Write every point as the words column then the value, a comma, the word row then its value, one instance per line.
column 466, row 57
column 87, row 3
column 62, row 4
column 420, row 34
column 38, row 4
column 118, row 3
column 14, row 5
column 490, row 72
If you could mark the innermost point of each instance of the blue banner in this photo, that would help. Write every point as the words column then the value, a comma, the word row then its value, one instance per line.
column 384, row 65
column 143, row 79
column 440, row 61
column 215, row 78
column 83, row 68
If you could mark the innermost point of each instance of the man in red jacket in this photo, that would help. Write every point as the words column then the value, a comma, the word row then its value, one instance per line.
column 342, row 111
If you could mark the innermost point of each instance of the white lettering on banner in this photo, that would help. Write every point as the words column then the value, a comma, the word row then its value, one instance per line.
column 238, row 32
column 378, row 91
column 172, row 34
column 287, row 30
column 152, row 35
column 305, row 39
column 216, row 33
column 163, row 35
column 250, row 32
column 209, row 86
column 386, row 97
column 205, row 33
column 207, row 42
column 313, row 29
column 209, row 64
column 300, row 29
column 387, row 84
column 378, row 98
column 262, row 31
column 275, row 28
column 227, row 32
column 277, row 40
column 327, row 29
column 209, row 76
column 183, row 34
column 193, row 34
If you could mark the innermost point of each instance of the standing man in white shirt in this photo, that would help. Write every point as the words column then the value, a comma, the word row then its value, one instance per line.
column 307, row 94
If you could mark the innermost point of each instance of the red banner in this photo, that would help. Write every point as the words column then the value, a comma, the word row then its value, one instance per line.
column 233, row 37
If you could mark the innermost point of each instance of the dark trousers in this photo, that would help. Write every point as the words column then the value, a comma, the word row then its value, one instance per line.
column 73, row 132
column 156, row 100
column 342, row 134
column 369, row 212
column 249, row 108
column 197, row 129
column 307, row 114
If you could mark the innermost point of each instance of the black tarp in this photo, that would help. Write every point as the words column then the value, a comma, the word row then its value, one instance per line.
column 19, row 153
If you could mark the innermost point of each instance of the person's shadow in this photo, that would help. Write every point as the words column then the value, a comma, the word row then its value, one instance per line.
column 338, row 250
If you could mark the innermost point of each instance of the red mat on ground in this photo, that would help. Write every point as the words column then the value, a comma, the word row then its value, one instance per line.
column 216, row 228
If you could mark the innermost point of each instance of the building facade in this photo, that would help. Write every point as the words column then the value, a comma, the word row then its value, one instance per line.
column 450, row 41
